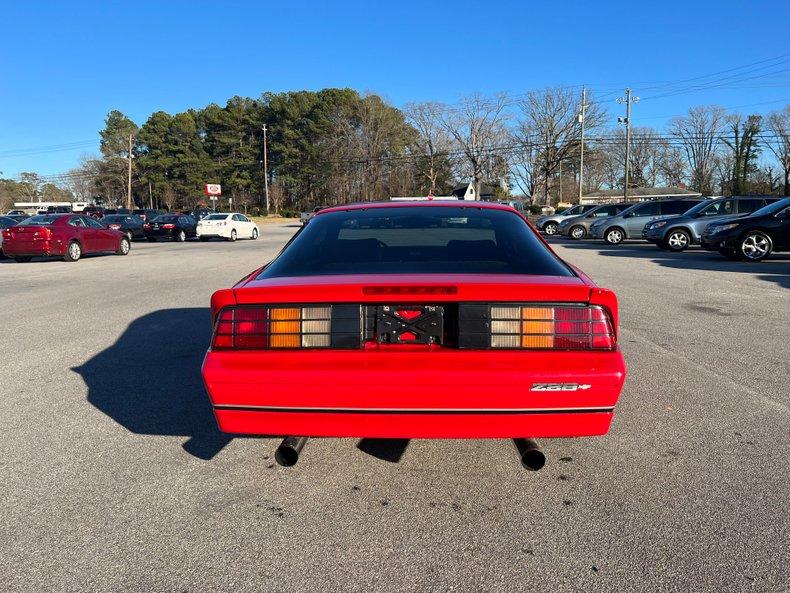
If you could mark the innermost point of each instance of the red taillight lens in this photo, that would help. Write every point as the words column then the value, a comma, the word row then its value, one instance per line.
column 259, row 327
column 147, row 225
column 168, row 226
column 551, row 327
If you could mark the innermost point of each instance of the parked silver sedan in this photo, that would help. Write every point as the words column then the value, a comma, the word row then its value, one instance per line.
column 578, row 227
column 550, row 224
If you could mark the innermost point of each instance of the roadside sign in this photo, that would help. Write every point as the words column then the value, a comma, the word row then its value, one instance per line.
column 213, row 189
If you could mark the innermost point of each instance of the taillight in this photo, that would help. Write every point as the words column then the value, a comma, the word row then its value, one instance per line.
column 44, row 233
column 551, row 327
column 115, row 226
column 147, row 225
column 259, row 327
column 168, row 226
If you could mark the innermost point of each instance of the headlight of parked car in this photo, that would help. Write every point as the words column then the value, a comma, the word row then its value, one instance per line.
column 658, row 225
column 724, row 227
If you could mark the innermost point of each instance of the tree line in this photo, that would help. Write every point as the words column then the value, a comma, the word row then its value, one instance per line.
column 337, row 145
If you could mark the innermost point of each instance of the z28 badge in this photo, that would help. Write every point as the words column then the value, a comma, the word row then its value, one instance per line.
column 559, row 386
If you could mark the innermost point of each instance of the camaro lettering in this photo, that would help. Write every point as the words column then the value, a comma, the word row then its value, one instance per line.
column 559, row 386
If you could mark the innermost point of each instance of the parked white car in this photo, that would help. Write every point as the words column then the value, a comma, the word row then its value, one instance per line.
column 230, row 226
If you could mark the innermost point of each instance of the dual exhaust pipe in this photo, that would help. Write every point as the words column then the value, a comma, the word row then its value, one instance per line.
column 529, row 452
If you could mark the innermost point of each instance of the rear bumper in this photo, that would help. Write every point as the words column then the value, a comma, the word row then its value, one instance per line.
column 416, row 394
column 435, row 425
column 32, row 248
column 211, row 233
column 160, row 234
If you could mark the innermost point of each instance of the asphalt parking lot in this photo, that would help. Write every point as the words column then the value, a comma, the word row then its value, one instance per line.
column 113, row 476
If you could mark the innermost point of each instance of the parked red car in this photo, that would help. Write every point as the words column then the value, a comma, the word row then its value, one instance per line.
column 415, row 320
column 67, row 235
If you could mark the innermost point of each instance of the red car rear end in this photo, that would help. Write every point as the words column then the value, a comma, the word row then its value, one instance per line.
column 66, row 235
column 433, row 320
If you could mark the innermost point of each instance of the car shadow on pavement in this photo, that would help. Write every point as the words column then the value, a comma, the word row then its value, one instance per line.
column 149, row 380
column 385, row 449
column 776, row 268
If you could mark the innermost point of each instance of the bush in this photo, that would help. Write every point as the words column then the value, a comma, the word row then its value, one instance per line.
column 535, row 209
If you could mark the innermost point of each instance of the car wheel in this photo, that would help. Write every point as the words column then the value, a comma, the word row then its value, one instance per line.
column 22, row 260
column 729, row 253
column 551, row 228
column 73, row 252
column 124, row 245
column 755, row 246
column 578, row 232
column 181, row 236
column 232, row 235
column 254, row 234
column 678, row 240
column 614, row 236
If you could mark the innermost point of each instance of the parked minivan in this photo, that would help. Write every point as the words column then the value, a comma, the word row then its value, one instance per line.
column 678, row 232
column 630, row 222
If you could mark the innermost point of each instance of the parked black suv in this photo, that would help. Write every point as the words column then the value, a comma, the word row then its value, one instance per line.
column 753, row 237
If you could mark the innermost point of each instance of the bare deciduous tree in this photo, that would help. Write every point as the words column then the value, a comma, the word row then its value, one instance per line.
column 479, row 127
column 699, row 133
column 433, row 143
column 550, row 122
column 741, row 139
column 778, row 142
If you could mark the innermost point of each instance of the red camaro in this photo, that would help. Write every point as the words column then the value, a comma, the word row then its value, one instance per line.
column 69, row 236
column 415, row 320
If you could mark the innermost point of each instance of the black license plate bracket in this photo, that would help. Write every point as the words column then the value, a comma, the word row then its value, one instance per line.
column 409, row 324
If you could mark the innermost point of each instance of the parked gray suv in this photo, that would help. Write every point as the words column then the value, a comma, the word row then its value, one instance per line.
column 578, row 227
column 551, row 224
column 678, row 232
column 631, row 221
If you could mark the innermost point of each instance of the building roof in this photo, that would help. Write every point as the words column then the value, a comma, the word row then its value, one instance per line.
column 486, row 189
column 643, row 193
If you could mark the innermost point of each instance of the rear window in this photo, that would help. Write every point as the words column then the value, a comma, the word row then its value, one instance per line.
column 42, row 220
column 216, row 217
column 170, row 218
column 416, row 240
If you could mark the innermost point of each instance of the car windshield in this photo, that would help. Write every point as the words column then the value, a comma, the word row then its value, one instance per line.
column 216, row 217
column 572, row 210
column 42, row 220
column 772, row 208
column 697, row 207
column 114, row 218
column 169, row 218
column 402, row 240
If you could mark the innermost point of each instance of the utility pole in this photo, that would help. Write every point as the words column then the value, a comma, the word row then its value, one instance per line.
column 265, row 170
column 628, row 99
column 581, row 146
column 129, row 184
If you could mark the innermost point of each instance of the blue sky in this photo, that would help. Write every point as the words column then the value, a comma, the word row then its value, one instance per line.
column 64, row 65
